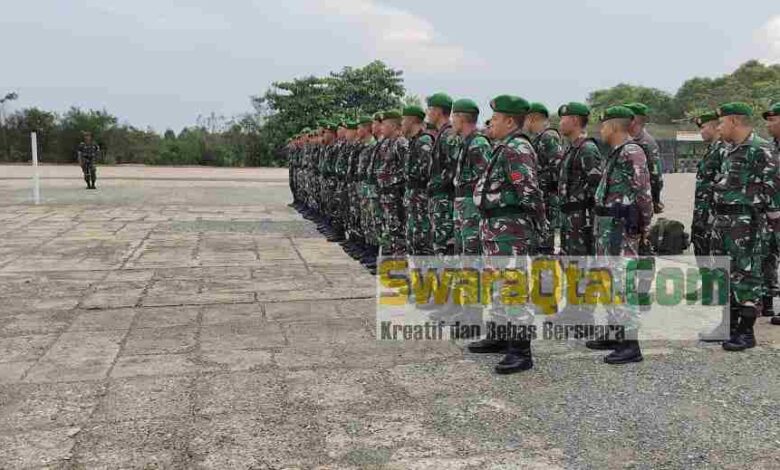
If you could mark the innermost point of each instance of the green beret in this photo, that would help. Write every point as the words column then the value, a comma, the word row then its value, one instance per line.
column 351, row 124
column 705, row 118
column 539, row 108
column 735, row 109
column 392, row 114
column 379, row 117
column 415, row 111
column 617, row 112
column 509, row 104
column 774, row 110
column 331, row 126
column 574, row 109
column 305, row 130
column 364, row 120
column 322, row 123
column 465, row 105
column 639, row 109
column 439, row 100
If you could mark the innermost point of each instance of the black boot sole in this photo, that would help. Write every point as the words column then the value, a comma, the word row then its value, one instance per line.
column 507, row 370
column 628, row 360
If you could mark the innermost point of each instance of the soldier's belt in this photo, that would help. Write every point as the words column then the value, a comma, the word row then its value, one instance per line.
column 578, row 206
column 465, row 191
column 733, row 209
column 505, row 212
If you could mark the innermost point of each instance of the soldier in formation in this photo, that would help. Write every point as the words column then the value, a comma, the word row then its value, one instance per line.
column 430, row 182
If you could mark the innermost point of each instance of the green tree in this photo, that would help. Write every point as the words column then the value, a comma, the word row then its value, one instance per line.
column 663, row 108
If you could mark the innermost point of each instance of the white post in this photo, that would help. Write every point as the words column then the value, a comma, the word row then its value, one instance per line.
column 36, row 180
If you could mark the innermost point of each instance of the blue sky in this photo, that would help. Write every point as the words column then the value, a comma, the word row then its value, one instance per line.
column 161, row 63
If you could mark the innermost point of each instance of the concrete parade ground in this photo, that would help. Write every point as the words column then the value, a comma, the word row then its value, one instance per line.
column 188, row 318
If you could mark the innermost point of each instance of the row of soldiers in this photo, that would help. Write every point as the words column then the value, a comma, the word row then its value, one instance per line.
column 736, row 214
column 432, row 183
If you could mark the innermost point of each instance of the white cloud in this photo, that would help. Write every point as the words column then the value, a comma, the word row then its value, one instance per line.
column 399, row 36
column 768, row 38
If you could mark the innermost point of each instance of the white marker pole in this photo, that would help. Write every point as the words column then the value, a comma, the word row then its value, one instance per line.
column 36, row 179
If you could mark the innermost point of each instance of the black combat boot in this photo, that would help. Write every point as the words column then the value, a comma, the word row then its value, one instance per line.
column 775, row 321
column 625, row 352
column 488, row 346
column 604, row 342
column 744, row 337
column 768, row 309
column 723, row 330
column 518, row 358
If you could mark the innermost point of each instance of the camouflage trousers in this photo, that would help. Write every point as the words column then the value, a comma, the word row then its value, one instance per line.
column 577, row 235
column 418, row 222
column 89, row 170
column 352, row 206
column 769, row 267
column 466, row 228
column 442, row 225
column 737, row 236
column 368, row 200
column 501, row 238
column 392, row 239
column 613, row 241
column 547, row 243
column 701, row 233
column 508, row 235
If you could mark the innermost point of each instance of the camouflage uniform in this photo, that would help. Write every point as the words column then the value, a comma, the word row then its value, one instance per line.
column 472, row 160
column 352, row 201
column 367, row 188
column 624, row 210
column 579, row 177
column 87, row 155
column 341, row 196
column 509, row 199
column 441, row 191
column 549, row 150
column 654, row 163
column 707, row 174
column 743, row 199
column 375, row 208
column 389, row 177
column 418, row 222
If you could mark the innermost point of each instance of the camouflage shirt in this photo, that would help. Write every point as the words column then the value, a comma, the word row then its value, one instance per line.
column 374, row 161
column 580, row 171
column 654, row 162
column 626, row 182
column 473, row 156
column 549, row 150
column 364, row 158
column 390, row 157
column 707, row 174
column 417, row 159
column 510, row 179
column 88, row 153
column 750, row 177
column 443, row 161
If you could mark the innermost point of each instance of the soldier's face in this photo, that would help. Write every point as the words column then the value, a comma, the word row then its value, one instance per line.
column 500, row 125
column 569, row 125
column 363, row 131
column 709, row 131
column 434, row 115
column 376, row 128
column 87, row 138
column 726, row 126
column 407, row 124
column 773, row 125
column 458, row 122
column 606, row 130
column 389, row 127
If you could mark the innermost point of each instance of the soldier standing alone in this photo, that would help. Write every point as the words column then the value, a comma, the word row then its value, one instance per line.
column 87, row 154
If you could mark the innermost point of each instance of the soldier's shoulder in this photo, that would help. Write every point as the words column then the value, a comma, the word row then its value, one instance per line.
column 521, row 144
column 590, row 146
column 426, row 138
column 480, row 141
column 551, row 134
column 631, row 149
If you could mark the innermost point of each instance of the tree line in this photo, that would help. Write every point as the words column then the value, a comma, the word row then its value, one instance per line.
column 256, row 138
